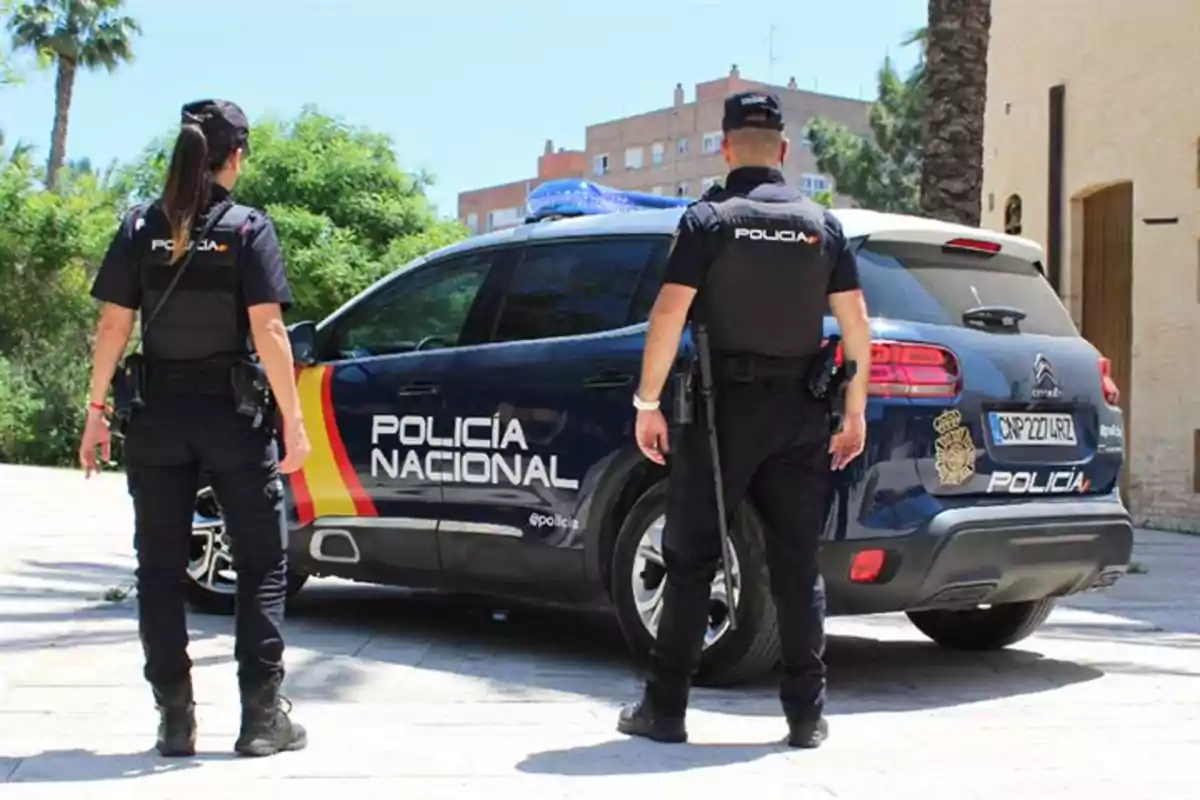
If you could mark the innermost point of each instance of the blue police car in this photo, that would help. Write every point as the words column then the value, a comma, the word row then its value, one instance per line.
column 471, row 424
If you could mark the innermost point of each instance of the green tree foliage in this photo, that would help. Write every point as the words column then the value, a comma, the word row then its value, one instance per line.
column 880, row 171
column 49, row 244
column 346, row 213
column 71, row 34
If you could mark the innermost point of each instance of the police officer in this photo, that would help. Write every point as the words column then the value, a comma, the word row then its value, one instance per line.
column 209, row 279
column 755, row 262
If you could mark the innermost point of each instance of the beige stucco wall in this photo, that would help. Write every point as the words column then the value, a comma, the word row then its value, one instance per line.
column 1132, row 75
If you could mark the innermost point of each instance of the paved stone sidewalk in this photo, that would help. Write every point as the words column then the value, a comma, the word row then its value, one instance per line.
column 425, row 698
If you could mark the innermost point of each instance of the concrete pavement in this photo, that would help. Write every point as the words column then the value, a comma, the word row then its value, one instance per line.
column 433, row 698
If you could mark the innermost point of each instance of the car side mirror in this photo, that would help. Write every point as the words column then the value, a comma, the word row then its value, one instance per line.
column 303, row 336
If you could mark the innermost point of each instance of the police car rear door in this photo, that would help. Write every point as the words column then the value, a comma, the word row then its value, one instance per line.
column 541, row 408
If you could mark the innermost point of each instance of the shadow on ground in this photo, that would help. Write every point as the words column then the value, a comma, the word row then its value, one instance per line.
column 85, row 766
column 341, row 633
column 524, row 649
column 630, row 757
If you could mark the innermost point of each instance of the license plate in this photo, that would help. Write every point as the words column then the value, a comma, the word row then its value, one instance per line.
column 1023, row 429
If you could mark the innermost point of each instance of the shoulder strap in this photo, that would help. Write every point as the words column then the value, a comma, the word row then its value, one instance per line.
column 212, row 221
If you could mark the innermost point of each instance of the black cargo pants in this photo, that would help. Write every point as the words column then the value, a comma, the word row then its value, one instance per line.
column 773, row 438
column 167, row 445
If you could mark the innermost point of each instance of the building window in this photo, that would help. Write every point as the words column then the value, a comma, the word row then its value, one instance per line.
column 656, row 190
column 681, row 147
column 1012, row 215
column 657, row 153
column 811, row 183
column 473, row 222
column 633, row 158
column 682, row 189
column 505, row 218
column 600, row 165
column 711, row 143
column 707, row 183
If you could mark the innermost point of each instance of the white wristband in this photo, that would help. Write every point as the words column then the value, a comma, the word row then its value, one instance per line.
column 644, row 405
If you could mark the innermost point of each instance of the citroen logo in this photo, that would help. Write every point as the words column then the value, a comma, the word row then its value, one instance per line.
column 1045, row 382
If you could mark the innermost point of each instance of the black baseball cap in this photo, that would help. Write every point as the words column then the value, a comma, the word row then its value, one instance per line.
column 224, row 124
column 752, row 110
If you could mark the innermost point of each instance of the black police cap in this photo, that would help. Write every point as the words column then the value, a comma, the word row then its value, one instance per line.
column 223, row 123
column 752, row 110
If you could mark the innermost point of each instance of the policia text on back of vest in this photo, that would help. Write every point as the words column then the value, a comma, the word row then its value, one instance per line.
column 240, row 376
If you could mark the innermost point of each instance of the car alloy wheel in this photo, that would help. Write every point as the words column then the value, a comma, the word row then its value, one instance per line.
column 210, row 562
column 648, row 580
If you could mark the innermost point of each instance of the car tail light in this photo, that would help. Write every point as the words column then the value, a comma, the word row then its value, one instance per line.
column 866, row 566
column 974, row 245
column 1112, row 395
column 910, row 369
column 904, row 369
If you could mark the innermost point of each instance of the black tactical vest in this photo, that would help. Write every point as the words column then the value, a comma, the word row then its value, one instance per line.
column 765, row 294
column 204, row 318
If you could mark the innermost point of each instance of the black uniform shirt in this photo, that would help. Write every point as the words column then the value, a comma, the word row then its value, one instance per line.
column 698, row 235
column 262, row 277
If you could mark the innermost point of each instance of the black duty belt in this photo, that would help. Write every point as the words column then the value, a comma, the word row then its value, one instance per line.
column 198, row 378
column 750, row 367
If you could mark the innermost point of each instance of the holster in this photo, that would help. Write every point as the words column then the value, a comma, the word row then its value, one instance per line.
column 129, row 386
column 828, row 381
column 252, row 394
column 683, row 398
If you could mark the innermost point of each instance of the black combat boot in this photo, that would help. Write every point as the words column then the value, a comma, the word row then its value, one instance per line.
column 807, row 732
column 658, row 716
column 176, row 720
column 266, row 728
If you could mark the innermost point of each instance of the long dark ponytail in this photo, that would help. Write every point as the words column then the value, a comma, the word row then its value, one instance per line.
column 189, row 186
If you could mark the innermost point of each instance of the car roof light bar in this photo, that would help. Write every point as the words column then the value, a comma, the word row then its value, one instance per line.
column 576, row 198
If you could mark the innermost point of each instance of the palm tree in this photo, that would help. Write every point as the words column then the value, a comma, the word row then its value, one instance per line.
column 72, row 34
column 955, row 77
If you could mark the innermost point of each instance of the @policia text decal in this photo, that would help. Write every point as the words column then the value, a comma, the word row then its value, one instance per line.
column 478, row 450
column 954, row 452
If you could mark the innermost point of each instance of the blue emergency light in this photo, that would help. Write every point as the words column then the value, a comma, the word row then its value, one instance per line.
column 571, row 197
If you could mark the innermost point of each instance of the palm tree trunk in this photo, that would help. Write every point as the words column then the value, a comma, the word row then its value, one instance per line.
column 64, row 85
column 955, row 96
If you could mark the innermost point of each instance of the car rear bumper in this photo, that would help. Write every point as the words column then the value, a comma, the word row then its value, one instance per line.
column 989, row 554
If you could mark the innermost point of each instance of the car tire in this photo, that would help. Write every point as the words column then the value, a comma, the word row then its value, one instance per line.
column 218, row 597
column 983, row 628
column 732, row 657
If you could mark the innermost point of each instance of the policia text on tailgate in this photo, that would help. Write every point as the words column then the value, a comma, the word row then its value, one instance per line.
column 471, row 430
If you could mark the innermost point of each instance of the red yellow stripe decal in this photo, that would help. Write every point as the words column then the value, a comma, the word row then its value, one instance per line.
column 328, row 485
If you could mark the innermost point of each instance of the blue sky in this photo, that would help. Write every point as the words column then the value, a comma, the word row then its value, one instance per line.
column 467, row 90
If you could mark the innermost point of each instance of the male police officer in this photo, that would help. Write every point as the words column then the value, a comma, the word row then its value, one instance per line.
column 761, row 261
column 207, row 275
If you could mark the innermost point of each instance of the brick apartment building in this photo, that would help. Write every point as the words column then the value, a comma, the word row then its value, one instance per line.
column 1092, row 148
column 674, row 150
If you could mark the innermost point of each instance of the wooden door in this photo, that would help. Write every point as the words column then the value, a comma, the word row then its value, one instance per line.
column 1108, row 289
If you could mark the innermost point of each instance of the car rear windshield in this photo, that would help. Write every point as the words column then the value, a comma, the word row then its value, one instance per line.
column 924, row 283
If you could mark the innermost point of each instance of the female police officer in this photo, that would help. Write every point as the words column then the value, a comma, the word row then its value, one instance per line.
column 208, row 277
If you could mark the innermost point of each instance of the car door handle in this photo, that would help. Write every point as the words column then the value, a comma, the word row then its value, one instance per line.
column 608, row 379
column 418, row 388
